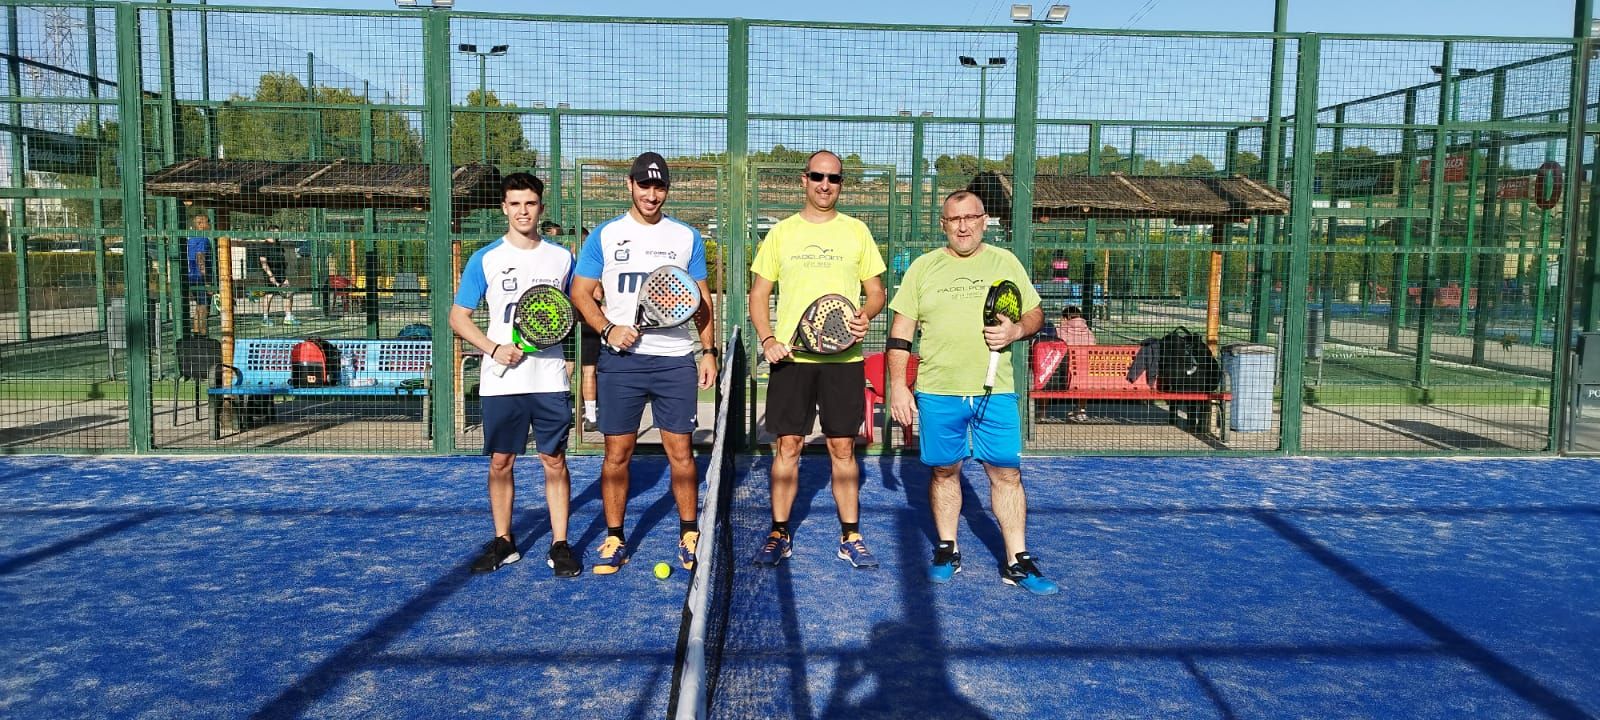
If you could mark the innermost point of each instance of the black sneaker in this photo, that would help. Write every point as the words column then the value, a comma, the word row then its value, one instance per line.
column 589, row 426
column 946, row 562
column 1025, row 573
column 561, row 562
column 496, row 552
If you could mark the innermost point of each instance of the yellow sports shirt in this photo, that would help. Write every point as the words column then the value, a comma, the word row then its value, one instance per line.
column 807, row 260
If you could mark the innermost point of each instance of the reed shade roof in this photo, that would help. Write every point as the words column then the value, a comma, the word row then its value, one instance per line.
column 1116, row 196
column 1448, row 228
column 255, row 185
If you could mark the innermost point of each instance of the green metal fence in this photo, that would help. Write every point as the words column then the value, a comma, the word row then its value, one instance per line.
column 1414, row 301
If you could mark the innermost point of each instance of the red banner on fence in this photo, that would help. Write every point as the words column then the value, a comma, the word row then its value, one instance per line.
column 1455, row 169
column 1515, row 188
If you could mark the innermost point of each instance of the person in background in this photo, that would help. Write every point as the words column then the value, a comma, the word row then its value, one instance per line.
column 1075, row 330
column 197, row 275
column 274, row 260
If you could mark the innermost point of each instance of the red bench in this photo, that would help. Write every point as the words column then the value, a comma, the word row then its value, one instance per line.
column 1100, row 372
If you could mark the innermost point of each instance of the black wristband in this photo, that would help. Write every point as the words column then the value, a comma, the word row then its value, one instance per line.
column 495, row 350
column 895, row 343
column 713, row 352
column 764, row 340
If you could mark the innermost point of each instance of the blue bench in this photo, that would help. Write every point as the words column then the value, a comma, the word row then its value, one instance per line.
column 378, row 368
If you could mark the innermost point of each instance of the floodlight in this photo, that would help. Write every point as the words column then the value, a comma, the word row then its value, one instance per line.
column 405, row 3
column 968, row 61
column 1057, row 13
column 927, row 113
column 1021, row 13
column 467, row 48
column 563, row 106
column 904, row 113
column 996, row 61
column 443, row 3
column 499, row 49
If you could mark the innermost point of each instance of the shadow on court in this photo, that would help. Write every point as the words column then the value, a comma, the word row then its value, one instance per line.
column 1264, row 587
column 1191, row 588
column 288, row 587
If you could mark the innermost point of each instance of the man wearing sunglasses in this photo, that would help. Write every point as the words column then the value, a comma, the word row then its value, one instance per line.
column 815, row 252
column 942, row 295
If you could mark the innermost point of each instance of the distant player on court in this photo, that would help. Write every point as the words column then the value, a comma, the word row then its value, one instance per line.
column 815, row 252
column 534, row 392
column 942, row 294
column 655, row 365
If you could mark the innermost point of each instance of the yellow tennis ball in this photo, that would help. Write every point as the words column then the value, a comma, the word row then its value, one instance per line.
column 663, row 570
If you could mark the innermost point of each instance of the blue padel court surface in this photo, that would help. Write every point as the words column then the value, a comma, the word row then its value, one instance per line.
column 1191, row 588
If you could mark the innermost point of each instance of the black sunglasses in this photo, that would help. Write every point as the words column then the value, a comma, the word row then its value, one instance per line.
column 834, row 178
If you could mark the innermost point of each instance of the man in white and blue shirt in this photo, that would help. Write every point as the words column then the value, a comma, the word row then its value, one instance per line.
column 636, row 365
column 534, row 391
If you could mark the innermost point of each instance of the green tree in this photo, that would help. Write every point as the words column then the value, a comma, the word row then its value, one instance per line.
column 292, row 134
column 507, row 145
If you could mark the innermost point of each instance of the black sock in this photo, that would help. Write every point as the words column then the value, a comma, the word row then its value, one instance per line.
column 616, row 532
column 781, row 526
column 687, row 526
column 846, row 528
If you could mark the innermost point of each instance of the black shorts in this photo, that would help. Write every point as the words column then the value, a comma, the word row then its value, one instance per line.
column 796, row 392
column 589, row 351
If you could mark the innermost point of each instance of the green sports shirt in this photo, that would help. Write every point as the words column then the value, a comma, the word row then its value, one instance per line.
column 945, row 295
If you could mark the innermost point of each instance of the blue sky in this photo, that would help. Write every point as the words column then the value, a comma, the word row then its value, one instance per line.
column 1433, row 17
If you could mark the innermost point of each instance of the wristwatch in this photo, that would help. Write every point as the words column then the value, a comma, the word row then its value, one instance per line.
column 713, row 352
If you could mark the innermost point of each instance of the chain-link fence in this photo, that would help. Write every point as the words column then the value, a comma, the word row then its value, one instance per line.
column 297, row 174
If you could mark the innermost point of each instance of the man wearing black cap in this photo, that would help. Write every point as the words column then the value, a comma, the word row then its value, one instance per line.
column 636, row 365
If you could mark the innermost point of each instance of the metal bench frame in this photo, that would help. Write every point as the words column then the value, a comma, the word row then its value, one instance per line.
column 394, row 367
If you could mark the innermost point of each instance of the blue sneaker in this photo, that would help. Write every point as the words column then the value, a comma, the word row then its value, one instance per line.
column 686, row 546
column 1025, row 574
column 612, row 556
column 778, row 547
column 855, row 551
column 946, row 562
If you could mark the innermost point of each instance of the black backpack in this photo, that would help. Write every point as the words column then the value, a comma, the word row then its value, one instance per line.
column 1186, row 364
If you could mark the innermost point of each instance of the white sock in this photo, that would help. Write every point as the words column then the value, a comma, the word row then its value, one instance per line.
column 589, row 410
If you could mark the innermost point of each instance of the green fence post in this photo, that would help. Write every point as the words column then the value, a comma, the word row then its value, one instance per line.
column 737, row 232
column 1024, row 157
column 19, row 207
column 1294, row 297
column 1270, row 229
column 98, row 205
column 130, row 141
column 436, row 118
column 1437, row 201
column 1490, row 269
column 554, row 186
column 1400, row 293
column 1578, row 285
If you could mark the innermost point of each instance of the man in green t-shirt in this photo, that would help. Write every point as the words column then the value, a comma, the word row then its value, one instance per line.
column 942, row 295
column 815, row 252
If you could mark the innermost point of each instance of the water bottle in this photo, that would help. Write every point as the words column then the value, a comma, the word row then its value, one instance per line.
column 347, row 369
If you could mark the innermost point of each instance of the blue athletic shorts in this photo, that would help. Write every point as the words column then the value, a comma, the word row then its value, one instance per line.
column 625, row 382
column 986, row 427
column 507, row 419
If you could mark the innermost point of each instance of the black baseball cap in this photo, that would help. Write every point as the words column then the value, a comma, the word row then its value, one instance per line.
column 649, row 167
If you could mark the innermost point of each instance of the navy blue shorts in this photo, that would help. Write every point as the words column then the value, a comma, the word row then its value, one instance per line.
column 625, row 382
column 507, row 419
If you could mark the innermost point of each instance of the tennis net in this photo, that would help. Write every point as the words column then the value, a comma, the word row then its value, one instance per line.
column 705, row 608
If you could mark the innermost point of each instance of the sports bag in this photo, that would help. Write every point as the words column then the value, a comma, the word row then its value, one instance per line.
column 313, row 362
column 1186, row 364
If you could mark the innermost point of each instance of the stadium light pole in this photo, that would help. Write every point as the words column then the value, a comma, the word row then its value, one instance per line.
column 983, row 93
column 483, row 87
